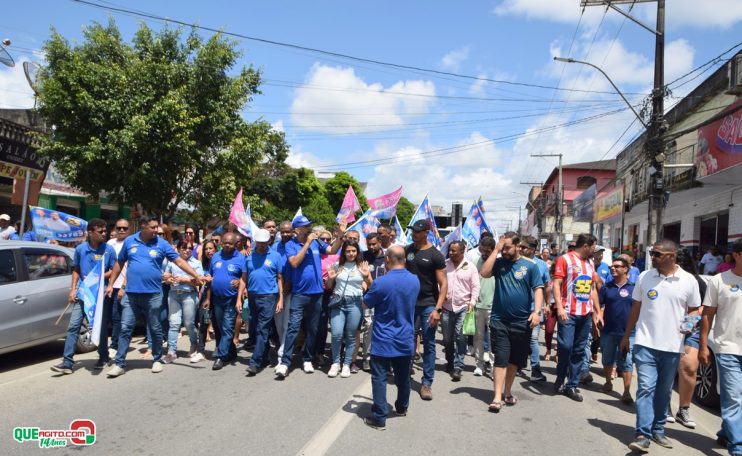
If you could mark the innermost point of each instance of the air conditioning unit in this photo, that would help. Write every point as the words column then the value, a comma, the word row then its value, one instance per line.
column 735, row 75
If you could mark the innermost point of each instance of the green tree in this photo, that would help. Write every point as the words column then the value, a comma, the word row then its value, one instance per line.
column 405, row 211
column 337, row 186
column 155, row 122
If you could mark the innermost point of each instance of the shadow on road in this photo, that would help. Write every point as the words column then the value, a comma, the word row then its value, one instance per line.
column 484, row 395
column 32, row 355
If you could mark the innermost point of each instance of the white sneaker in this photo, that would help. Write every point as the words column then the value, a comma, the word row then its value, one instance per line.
column 197, row 357
column 156, row 367
column 308, row 368
column 345, row 373
column 116, row 371
column 170, row 358
column 112, row 353
column 334, row 370
column 486, row 357
column 477, row 372
column 282, row 370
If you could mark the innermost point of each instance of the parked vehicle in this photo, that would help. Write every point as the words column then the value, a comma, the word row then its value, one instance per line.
column 34, row 289
column 706, row 391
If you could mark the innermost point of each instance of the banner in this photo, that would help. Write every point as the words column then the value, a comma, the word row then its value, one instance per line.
column 401, row 237
column 241, row 217
column 475, row 224
column 423, row 212
column 349, row 207
column 50, row 224
column 608, row 205
column 385, row 206
column 720, row 143
column 297, row 215
column 583, row 205
column 90, row 292
column 365, row 225
column 455, row 235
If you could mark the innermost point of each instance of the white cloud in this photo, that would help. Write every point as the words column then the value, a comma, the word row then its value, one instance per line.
column 453, row 60
column 331, row 93
column 552, row 10
column 16, row 93
column 299, row 158
column 278, row 126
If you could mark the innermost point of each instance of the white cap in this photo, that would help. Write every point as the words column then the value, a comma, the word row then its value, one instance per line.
column 599, row 248
column 261, row 235
column 5, row 217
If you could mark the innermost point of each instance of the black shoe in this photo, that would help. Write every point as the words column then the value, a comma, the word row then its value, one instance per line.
column 62, row 369
column 456, row 375
column 367, row 366
column 558, row 387
column 537, row 376
column 640, row 444
column 218, row 364
column 370, row 422
column 661, row 440
column 400, row 412
column 101, row 364
column 251, row 370
column 573, row 394
column 587, row 378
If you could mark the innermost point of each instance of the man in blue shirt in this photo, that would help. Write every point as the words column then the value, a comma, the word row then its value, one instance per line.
column 263, row 275
column 517, row 284
column 226, row 269
column 282, row 319
column 87, row 260
column 144, row 251
column 303, row 254
column 603, row 270
column 393, row 297
column 528, row 246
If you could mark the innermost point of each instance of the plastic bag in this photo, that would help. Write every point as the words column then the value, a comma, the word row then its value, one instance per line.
column 469, row 326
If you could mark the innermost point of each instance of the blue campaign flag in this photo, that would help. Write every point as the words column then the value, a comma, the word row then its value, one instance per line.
column 401, row 237
column 455, row 235
column 423, row 212
column 365, row 225
column 90, row 292
column 475, row 224
column 51, row 224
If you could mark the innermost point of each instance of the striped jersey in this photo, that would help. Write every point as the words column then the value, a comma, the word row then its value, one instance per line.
column 577, row 276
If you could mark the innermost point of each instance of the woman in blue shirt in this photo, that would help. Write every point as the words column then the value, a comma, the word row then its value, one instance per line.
column 348, row 280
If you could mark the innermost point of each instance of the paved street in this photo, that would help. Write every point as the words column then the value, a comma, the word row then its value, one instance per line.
column 189, row 409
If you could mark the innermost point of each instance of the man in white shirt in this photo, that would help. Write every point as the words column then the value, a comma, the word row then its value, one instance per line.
column 711, row 261
column 724, row 300
column 112, row 304
column 5, row 228
column 662, row 297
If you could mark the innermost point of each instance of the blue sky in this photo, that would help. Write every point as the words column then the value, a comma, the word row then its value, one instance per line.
column 454, row 138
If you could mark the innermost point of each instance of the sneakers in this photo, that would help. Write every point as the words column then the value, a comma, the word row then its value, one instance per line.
column 282, row 371
column 683, row 417
column 100, row 364
column 345, row 373
column 218, row 364
column 640, row 444
column 367, row 365
column 456, row 375
column 537, row 376
column 61, row 369
column 251, row 370
column 197, row 357
column 587, row 378
column 156, row 367
column 334, row 370
column 426, row 393
column 574, row 394
column 373, row 424
column 170, row 358
column 116, row 371
column 354, row 368
column 661, row 440
column 670, row 416
column 308, row 368
column 486, row 357
column 478, row 372
column 112, row 353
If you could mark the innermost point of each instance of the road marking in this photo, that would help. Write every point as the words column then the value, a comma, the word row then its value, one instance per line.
column 331, row 430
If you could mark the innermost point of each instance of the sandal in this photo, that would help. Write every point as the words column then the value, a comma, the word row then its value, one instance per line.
column 510, row 400
column 495, row 407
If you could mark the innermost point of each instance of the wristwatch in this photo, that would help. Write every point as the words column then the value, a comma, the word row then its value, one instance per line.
column 439, row 310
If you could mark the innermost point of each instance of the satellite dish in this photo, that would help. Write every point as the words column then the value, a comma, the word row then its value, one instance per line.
column 5, row 57
column 31, row 69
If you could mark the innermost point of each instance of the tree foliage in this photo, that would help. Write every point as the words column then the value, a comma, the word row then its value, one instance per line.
column 405, row 211
column 337, row 186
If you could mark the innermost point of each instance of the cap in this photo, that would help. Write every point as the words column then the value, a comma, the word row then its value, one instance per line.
column 300, row 221
column 420, row 225
column 600, row 248
column 262, row 235
column 5, row 217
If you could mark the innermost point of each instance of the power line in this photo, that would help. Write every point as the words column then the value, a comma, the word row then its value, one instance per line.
column 710, row 62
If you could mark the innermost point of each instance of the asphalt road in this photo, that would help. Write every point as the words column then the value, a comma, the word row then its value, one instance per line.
column 190, row 409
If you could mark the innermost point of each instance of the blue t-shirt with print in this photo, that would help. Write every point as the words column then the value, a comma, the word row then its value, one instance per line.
column 144, row 271
column 262, row 272
column 225, row 268
column 307, row 278
column 393, row 297
column 514, row 285
column 86, row 258
column 616, row 302
column 604, row 271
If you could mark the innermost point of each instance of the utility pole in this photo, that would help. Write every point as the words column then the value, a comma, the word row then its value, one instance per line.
column 560, row 200
column 519, row 216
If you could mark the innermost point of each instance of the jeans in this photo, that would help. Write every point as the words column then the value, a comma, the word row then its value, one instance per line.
column 572, row 339
column 366, row 330
column 321, row 334
column 182, row 309
column 112, row 307
column 265, row 308
column 146, row 305
column 423, row 313
column 588, row 355
column 282, row 323
column 225, row 313
column 729, row 368
column 535, row 351
column 481, row 319
column 379, row 369
column 303, row 306
column 73, row 331
column 655, row 374
column 454, row 340
column 344, row 320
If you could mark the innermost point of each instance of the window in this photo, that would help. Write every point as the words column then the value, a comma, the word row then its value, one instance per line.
column 7, row 267
column 584, row 182
column 46, row 263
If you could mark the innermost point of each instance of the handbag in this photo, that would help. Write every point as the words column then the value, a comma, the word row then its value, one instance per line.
column 469, row 327
column 337, row 299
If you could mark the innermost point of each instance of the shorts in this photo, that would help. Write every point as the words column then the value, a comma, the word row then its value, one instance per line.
column 510, row 342
column 612, row 354
column 693, row 340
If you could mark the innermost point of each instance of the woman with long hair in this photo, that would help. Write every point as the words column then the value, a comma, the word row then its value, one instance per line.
column 204, row 320
column 182, row 302
column 348, row 279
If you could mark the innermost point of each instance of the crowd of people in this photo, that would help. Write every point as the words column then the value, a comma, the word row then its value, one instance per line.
column 290, row 284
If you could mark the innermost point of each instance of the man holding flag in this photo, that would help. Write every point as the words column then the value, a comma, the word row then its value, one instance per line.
column 93, row 259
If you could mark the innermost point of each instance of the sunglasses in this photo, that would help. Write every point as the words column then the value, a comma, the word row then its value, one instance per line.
column 122, row 228
column 656, row 253
column 324, row 239
column 617, row 266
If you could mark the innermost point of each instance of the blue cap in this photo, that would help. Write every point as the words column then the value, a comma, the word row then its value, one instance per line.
column 300, row 221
